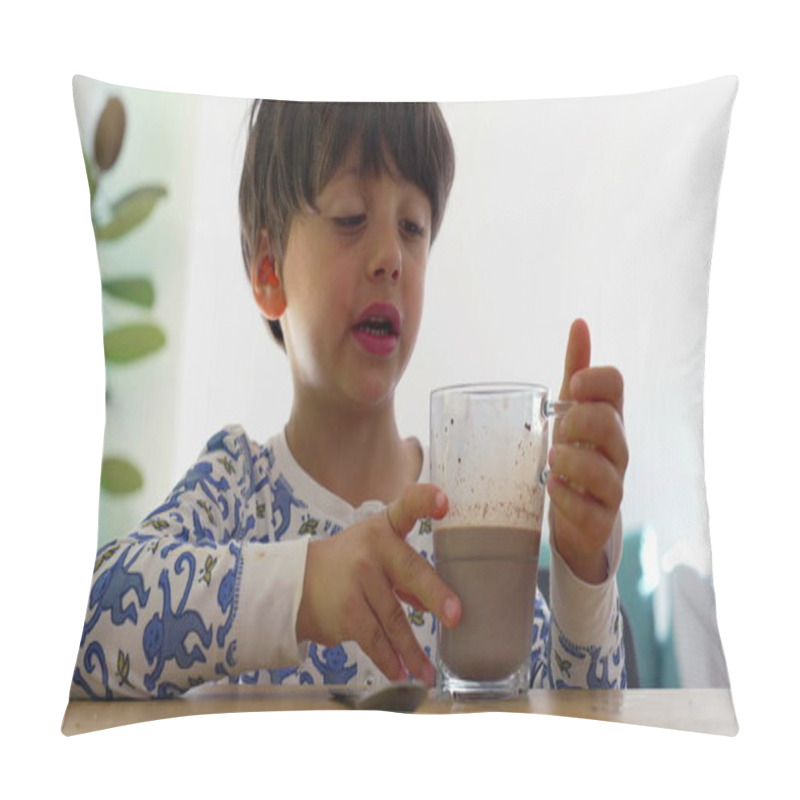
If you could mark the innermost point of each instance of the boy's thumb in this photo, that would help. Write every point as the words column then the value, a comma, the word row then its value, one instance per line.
column 579, row 352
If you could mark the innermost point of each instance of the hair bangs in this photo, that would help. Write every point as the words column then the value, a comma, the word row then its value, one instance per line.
column 399, row 139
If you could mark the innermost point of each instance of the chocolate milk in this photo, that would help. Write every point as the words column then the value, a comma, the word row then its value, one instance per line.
column 493, row 572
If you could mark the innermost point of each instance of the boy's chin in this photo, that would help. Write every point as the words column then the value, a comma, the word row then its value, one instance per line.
column 374, row 391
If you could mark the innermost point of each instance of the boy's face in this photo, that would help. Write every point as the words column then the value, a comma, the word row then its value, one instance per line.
column 353, row 277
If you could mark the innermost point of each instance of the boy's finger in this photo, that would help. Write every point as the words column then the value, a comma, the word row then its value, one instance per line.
column 587, row 472
column 417, row 501
column 586, row 514
column 598, row 425
column 578, row 357
column 411, row 574
column 599, row 384
column 394, row 624
column 373, row 640
column 415, row 602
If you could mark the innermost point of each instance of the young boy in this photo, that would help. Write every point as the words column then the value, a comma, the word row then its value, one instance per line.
column 308, row 559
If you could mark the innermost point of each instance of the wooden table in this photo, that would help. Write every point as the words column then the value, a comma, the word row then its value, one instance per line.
column 700, row 710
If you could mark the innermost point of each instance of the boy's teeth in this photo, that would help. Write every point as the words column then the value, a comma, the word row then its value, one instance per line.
column 376, row 327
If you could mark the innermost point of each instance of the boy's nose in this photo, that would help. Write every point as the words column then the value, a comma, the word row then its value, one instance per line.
column 393, row 272
column 387, row 258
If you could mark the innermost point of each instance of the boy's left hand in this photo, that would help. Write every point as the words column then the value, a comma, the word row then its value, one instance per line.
column 588, row 460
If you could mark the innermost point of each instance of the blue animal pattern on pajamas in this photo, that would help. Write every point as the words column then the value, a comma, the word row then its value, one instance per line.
column 240, row 529
column 226, row 596
column 167, row 690
column 333, row 663
column 94, row 657
column 178, row 543
column 200, row 476
column 165, row 635
column 300, row 676
column 164, row 599
column 202, row 534
column 283, row 500
column 541, row 631
column 110, row 590
column 143, row 537
column 262, row 469
column 218, row 443
column 277, row 676
column 586, row 666
column 598, row 679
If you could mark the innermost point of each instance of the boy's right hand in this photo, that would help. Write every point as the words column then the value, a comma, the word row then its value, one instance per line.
column 353, row 581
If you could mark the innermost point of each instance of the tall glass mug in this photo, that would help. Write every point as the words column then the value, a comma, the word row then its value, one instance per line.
column 488, row 453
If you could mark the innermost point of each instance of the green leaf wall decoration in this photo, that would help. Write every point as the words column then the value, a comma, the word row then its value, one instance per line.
column 129, row 212
column 119, row 476
column 127, row 343
column 132, row 342
column 139, row 291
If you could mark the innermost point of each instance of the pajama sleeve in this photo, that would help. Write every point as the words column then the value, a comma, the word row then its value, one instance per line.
column 200, row 591
column 581, row 632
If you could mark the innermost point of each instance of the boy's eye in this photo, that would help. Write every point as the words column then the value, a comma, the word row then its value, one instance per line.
column 352, row 221
column 413, row 228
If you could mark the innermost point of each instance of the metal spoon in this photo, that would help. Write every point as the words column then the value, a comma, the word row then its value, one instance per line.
column 403, row 697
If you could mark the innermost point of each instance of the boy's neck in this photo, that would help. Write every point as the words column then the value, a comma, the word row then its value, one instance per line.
column 358, row 457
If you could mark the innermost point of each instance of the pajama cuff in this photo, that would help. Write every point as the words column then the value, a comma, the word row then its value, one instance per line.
column 270, row 591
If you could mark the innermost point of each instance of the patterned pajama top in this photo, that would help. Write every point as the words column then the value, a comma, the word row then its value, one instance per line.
column 208, row 588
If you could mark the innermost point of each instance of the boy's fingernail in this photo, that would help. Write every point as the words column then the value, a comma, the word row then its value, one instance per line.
column 439, row 501
column 452, row 610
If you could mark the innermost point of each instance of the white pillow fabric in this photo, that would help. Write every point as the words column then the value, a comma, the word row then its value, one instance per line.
column 601, row 208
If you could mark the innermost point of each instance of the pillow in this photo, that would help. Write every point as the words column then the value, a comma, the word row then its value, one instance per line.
column 601, row 208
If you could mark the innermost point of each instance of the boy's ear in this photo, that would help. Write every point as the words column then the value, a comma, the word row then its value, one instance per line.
column 267, row 285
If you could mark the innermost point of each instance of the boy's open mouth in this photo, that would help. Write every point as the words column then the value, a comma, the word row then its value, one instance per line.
column 377, row 328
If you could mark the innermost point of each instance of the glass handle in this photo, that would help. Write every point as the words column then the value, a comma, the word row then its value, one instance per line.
column 554, row 409
column 557, row 408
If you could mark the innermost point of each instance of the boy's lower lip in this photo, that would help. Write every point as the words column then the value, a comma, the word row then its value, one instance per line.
column 376, row 345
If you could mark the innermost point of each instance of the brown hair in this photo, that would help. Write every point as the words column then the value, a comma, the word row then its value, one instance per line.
column 293, row 150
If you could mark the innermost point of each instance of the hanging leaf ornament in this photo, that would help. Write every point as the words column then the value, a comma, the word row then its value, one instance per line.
column 132, row 342
column 120, row 476
column 109, row 134
column 138, row 291
column 129, row 212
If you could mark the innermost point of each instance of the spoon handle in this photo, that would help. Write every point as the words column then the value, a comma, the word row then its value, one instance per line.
column 403, row 697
